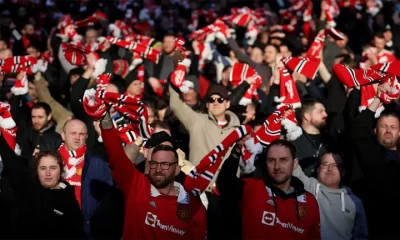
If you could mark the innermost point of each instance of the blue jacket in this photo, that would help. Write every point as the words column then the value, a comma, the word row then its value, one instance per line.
column 96, row 182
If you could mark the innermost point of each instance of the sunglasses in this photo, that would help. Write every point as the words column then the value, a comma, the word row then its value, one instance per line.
column 213, row 99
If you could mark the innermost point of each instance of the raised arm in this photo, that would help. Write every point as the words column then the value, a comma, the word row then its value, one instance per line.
column 123, row 171
column 310, row 184
column 59, row 112
column 182, row 111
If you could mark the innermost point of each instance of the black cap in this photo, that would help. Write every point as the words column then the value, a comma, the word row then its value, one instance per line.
column 158, row 138
column 218, row 90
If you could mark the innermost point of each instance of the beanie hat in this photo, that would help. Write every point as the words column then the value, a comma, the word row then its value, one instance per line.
column 356, row 77
column 306, row 66
column 200, row 177
column 317, row 45
column 8, row 127
column 288, row 93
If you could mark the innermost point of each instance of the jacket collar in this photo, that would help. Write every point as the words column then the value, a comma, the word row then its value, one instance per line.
column 231, row 118
column 183, row 196
column 298, row 190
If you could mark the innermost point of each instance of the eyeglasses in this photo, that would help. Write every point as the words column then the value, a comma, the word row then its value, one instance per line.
column 213, row 99
column 327, row 165
column 164, row 165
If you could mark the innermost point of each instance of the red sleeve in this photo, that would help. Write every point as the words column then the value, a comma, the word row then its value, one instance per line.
column 123, row 171
column 315, row 230
column 199, row 224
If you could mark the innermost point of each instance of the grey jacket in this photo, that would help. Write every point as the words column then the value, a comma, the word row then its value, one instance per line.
column 341, row 213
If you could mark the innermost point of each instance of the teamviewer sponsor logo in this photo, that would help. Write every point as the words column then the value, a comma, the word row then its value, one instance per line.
column 150, row 219
column 268, row 218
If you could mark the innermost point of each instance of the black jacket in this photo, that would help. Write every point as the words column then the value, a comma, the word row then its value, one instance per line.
column 43, row 213
column 308, row 152
column 29, row 139
column 381, row 177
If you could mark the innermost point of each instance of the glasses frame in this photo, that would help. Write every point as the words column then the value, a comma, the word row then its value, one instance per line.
column 213, row 99
column 334, row 166
column 163, row 165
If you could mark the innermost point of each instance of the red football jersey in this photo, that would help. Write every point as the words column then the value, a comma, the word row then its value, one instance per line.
column 385, row 56
column 262, row 219
column 149, row 214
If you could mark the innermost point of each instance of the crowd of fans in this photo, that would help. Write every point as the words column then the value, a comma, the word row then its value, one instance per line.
column 231, row 119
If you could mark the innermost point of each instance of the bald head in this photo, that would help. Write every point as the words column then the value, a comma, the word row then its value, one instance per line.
column 74, row 134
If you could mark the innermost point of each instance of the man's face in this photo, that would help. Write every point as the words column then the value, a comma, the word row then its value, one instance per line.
column 270, row 54
column 256, row 55
column 168, row 44
column 32, row 93
column 388, row 35
column 317, row 116
column 135, row 88
column 90, row 36
column 217, row 105
column 190, row 98
column 280, row 164
column 162, row 175
column 379, row 43
column 31, row 51
column 29, row 29
column 39, row 119
column 341, row 43
column 74, row 135
column 284, row 50
column 3, row 45
column 328, row 172
column 387, row 131
column 225, row 76
column 6, row 53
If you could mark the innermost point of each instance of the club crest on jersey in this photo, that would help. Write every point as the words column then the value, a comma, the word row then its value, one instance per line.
column 153, row 204
column 183, row 213
column 302, row 212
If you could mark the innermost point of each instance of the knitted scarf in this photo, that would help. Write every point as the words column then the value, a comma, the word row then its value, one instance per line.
column 239, row 73
column 145, row 51
column 8, row 127
column 306, row 66
column 288, row 93
column 73, row 167
column 199, row 178
column 317, row 45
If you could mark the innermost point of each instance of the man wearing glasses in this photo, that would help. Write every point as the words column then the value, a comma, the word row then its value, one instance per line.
column 156, row 207
column 342, row 213
column 206, row 130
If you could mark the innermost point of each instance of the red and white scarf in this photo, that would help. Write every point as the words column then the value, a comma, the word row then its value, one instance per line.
column 200, row 177
column 73, row 167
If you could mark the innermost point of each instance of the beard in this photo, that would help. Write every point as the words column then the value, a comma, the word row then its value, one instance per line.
column 277, row 180
column 163, row 181
column 319, row 124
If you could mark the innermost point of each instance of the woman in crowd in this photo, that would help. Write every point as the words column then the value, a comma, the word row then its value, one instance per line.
column 47, row 205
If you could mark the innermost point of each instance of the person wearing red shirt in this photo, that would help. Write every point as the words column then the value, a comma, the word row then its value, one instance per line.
column 156, row 207
column 275, row 207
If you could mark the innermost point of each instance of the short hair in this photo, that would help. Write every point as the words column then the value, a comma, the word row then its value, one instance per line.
column 165, row 148
column 160, row 124
column 274, row 46
column 42, row 105
column 379, row 35
column 169, row 35
column 49, row 153
column 284, row 143
column 308, row 105
column 387, row 114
